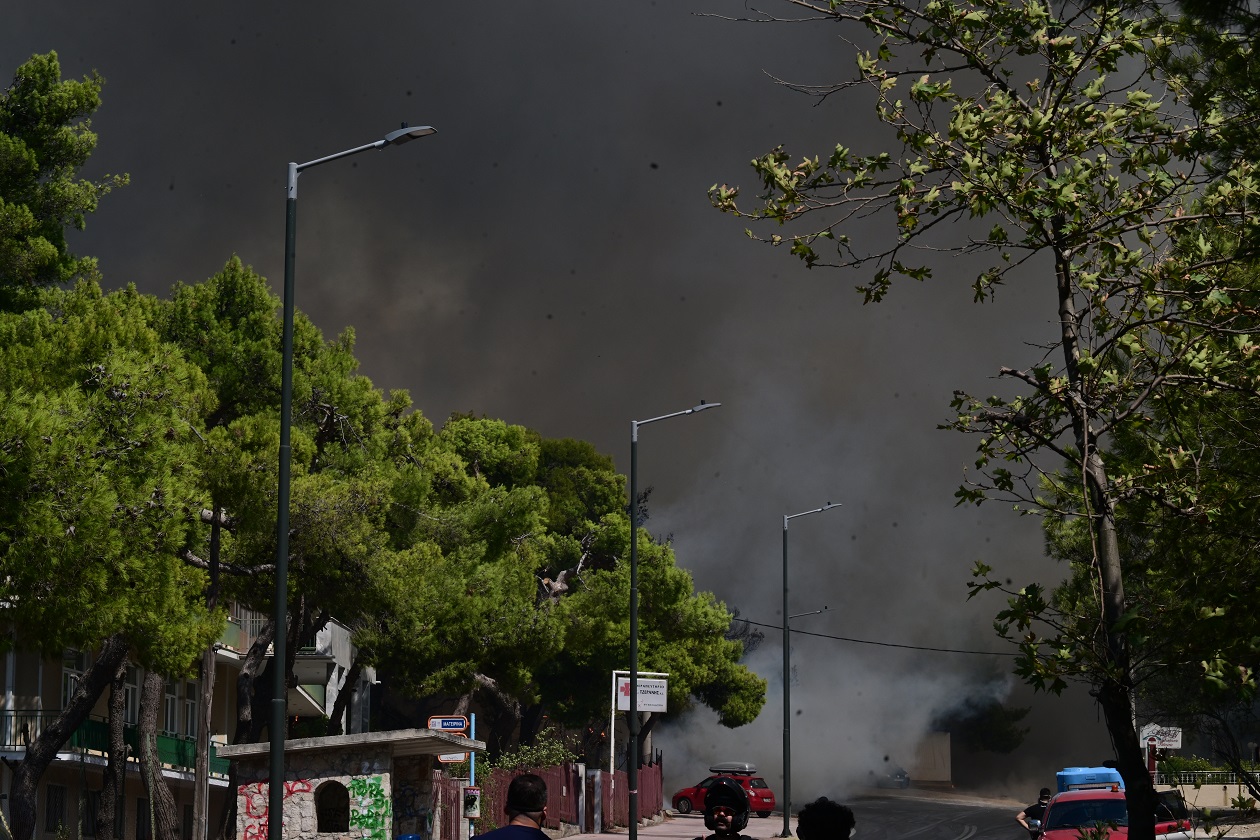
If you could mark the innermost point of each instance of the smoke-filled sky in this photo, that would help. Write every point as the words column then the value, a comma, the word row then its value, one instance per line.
column 550, row 258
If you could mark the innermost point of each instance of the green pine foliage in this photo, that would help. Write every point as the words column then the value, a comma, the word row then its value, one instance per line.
column 477, row 559
column 45, row 140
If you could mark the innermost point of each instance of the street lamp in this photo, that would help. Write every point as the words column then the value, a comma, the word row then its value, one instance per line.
column 787, row 674
column 633, row 714
column 275, row 783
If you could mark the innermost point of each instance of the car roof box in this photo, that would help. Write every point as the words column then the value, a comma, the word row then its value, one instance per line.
column 735, row 768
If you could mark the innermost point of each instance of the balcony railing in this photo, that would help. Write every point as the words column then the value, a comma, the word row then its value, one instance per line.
column 19, row 729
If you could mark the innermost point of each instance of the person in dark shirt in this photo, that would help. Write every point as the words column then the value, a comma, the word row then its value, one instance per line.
column 526, row 810
column 1034, row 812
column 725, row 810
column 824, row 819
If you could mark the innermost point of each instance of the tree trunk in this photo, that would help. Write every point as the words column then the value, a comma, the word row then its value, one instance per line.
column 113, row 793
column 344, row 696
column 1115, row 690
column 1115, row 695
column 645, row 731
column 201, row 772
column 531, row 722
column 24, row 787
column 247, row 730
column 165, row 822
column 1139, row 792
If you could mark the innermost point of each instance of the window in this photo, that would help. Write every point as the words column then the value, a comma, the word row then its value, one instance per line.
column 92, row 808
column 170, row 721
column 190, row 709
column 332, row 807
column 54, row 808
column 131, row 697
column 142, row 820
column 73, row 664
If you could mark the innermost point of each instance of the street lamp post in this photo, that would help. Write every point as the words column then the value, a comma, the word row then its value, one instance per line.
column 275, row 824
column 632, row 720
column 787, row 675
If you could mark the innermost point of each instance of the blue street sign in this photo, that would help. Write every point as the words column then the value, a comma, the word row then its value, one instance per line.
column 455, row 723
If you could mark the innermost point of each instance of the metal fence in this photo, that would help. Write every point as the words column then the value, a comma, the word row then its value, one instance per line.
column 566, row 787
column 563, row 792
column 449, row 805
column 1199, row 777
column 615, row 795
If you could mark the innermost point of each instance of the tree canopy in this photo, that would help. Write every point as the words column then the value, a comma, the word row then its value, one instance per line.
column 45, row 139
column 131, row 421
column 478, row 559
column 1067, row 145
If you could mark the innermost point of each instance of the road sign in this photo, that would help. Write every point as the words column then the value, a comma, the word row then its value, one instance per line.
column 455, row 725
column 652, row 694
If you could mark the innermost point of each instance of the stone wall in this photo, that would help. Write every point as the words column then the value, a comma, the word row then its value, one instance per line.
column 350, row 790
column 413, row 796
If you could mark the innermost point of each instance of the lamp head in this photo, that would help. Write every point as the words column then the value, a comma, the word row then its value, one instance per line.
column 406, row 134
column 831, row 505
column 703, row 405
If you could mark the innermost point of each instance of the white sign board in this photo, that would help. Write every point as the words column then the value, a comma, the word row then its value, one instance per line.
column 1166, row 737
column 652, row 694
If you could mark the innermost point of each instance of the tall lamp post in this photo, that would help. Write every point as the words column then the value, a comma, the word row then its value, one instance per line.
column 275, row 799
column 787, row 675
column 633, row 714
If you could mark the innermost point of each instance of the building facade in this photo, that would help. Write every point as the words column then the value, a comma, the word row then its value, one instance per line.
column 36, row 688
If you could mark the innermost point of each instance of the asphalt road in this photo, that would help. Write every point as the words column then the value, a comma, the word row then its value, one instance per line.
column 920, row 815
column 900, row 818
column 894, row 817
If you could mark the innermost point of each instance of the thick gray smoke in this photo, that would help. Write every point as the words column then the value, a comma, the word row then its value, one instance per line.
column 550, row 258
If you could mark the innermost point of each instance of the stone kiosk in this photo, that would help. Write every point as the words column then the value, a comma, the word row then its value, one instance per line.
column 375, row 785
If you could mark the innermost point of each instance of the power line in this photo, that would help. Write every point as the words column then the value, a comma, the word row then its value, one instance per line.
column 879, row 644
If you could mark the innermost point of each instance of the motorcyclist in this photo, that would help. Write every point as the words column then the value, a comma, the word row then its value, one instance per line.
column 726, row 810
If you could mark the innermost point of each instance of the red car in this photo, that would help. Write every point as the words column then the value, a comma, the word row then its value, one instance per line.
column 1072, row 810
column 760, row 797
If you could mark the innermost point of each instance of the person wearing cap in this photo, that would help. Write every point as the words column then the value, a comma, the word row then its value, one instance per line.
column 726, row 810
column 824, row 819
column 526, row 810
column 1034, row 812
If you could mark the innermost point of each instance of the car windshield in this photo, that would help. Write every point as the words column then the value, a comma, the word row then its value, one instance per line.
column 1089, row 812
column 1171, row 806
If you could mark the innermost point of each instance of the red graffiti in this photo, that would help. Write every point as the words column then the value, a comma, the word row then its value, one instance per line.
column 256, row 800
column 298, row 786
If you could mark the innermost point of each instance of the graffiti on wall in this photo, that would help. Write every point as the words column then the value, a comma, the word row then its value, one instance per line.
column 255, row 804
column 409, row 804
column 372, row 810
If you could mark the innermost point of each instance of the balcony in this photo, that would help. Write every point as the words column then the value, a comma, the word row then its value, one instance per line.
column 19, row 728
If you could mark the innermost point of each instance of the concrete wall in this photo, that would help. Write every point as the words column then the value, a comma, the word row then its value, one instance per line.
column 1212, row 796
column 932, row 764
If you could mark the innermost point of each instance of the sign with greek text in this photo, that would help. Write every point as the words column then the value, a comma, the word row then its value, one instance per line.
column 652, row 695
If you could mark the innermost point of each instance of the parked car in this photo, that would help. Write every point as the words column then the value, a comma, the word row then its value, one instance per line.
column 760, row 797
column 1072, row 810
column 891, row 776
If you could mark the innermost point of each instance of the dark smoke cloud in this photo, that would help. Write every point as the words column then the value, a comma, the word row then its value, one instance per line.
column 550, row 258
